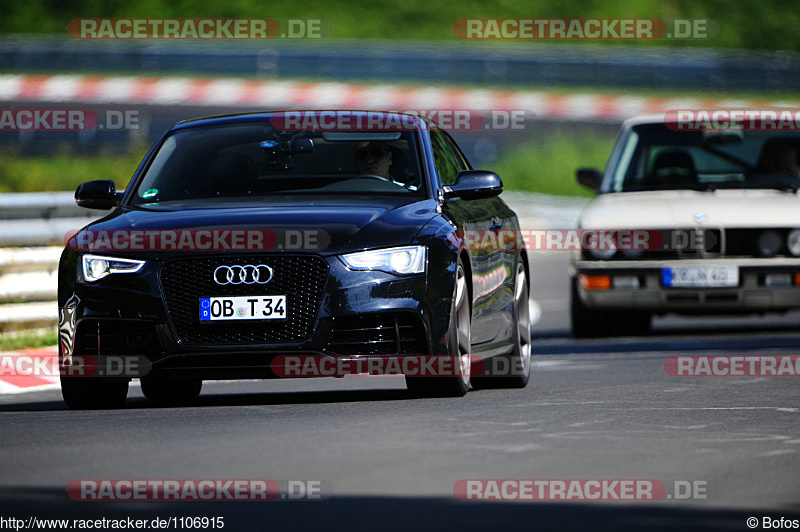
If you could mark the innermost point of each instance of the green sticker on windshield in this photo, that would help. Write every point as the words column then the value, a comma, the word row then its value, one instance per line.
column 150, row 193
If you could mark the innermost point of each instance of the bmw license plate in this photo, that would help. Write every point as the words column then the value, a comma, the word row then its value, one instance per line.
column 700, row 276
column 243, row 308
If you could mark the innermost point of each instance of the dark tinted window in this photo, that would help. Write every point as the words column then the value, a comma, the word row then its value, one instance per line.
column 253, row 160
column 448, row 162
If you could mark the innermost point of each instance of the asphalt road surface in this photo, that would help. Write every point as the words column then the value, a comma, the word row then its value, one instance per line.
column 595, row 409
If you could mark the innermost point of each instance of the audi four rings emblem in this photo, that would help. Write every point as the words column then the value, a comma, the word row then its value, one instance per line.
column 247, row 274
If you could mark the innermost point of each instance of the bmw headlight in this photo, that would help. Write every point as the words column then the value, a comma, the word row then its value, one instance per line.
column 95, row 267
column 769, row 243
column 402, row 260
column 793, row 242
column 603, row 253
column 598, row 246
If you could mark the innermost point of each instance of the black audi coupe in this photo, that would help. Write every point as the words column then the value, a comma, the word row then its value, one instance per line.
column 295, row 244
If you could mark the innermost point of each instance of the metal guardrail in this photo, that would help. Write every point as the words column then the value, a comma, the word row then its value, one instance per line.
column 32, row 231
column 531, row 64
column 29, row 273
column 54, row 213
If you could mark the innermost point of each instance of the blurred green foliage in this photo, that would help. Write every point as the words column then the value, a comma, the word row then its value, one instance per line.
column 765, row 25
column 65, row 170
column 546, row 166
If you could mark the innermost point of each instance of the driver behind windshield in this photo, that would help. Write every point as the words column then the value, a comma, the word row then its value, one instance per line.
column 778, row 158
column 373, row 158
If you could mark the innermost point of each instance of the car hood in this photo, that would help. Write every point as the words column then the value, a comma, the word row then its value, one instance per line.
column 688, row 208
column 337, row 225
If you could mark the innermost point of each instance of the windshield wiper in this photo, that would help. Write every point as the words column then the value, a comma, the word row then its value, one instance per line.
column 781, row 185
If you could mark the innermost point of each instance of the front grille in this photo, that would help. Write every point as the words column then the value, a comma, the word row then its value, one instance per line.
column 300, row 278
column 378, row 334
column 677, row 244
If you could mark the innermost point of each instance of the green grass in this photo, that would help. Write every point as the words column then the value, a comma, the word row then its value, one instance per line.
column 548, row 167
column 769, row 25
column 25, row 339
column 544, row 166
column 64, row 170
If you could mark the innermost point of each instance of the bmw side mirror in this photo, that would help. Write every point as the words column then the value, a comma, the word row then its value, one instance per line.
column 589, row 178
column 474, row 184
column 100, row 194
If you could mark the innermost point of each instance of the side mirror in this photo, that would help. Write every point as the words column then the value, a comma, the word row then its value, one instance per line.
column 474, row 184
column 589, row 178
column 301, row 145
column 100, row 194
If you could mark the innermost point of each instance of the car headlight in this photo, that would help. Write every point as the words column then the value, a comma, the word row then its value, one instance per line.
column 402, row 260
column 95, row 267
column 793, row 242
column 603, row 253
column 769, row 243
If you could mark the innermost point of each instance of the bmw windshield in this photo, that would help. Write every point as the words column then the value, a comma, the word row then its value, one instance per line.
column 654, row 157
column 254, row 160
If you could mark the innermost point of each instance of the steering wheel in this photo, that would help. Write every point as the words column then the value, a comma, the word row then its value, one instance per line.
column 374, row 176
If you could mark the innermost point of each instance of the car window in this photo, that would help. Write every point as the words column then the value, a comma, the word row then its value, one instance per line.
column 253, row 160
column 449, row 161
column 655, row 157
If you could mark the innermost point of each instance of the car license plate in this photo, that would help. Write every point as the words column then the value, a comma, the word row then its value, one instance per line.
column 701, row 276
column 243, row 308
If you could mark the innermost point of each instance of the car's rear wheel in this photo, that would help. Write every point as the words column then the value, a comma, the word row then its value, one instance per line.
column 518, row 362
column 173, row 391
column 459, row 336
column 591, row 323
column 82, row 393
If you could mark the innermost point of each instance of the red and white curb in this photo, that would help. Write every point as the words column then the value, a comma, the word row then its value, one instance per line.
column 28, row 370
column 328, row 95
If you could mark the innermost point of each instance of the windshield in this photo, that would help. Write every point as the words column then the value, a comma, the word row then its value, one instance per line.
column 654, row 157
column 253, row 160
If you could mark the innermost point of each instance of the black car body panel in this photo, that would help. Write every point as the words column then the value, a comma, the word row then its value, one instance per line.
column 334, row 310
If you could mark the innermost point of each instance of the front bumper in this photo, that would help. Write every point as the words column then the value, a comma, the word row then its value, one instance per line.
column 360, row 314
column 638, row 285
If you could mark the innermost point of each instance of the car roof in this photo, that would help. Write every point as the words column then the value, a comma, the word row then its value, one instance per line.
column 645, row 119
column 421, row 122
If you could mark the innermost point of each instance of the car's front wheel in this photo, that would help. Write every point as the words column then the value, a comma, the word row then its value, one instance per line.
column 459, row 337
column 517, row 364
column 82, row 393
column 173, row 391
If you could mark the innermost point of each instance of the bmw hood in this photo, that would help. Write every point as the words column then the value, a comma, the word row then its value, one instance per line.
column 327, row 226
column 670, row 209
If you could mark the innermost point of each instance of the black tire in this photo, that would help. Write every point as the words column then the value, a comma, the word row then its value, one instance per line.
column 171, row 391
column 87, row 393
column 590, row 323
column 518, row 362
column 459, row 335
